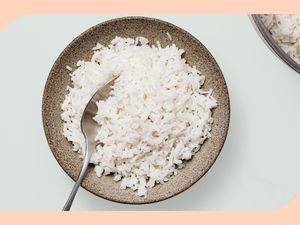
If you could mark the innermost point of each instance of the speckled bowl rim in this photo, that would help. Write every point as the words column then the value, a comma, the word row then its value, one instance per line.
column 68, row 47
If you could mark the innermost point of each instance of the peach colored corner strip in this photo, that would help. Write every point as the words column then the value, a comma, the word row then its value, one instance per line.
column 285, row 216
column 15, row 8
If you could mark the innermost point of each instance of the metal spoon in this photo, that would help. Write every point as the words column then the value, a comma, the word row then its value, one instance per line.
column 89, row 129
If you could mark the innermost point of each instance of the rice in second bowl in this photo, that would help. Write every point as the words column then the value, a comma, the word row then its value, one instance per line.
column 285, row 29
column 156, row 117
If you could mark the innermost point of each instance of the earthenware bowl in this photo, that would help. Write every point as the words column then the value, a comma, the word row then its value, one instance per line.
column 81, row 49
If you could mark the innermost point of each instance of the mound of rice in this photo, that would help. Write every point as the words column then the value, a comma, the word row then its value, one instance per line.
column 285, row 29
column 156, row 117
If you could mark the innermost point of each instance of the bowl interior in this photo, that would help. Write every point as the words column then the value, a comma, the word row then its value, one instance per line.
column 81, row 48
column 266, row 36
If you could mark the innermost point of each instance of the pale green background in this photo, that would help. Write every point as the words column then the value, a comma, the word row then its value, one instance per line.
column 258, row 168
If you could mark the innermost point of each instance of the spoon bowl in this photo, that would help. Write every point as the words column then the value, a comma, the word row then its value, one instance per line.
column 89, row 129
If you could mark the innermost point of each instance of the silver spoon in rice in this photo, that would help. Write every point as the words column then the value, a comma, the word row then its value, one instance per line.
column 89, row 129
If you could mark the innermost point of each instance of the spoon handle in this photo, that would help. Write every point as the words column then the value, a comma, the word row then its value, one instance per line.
column 85, row 165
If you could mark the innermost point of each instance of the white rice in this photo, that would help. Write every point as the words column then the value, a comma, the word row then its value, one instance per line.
column 69, row 68
column 285, row 29
column 156, row 117
column 169, row 36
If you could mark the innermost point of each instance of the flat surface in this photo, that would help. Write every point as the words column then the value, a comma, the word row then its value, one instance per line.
column 258, row 168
